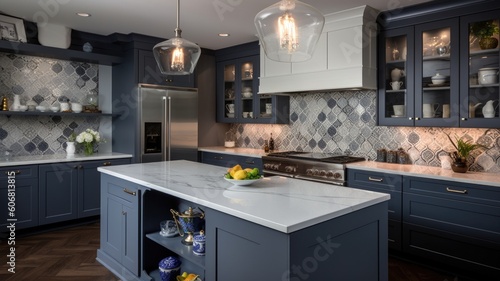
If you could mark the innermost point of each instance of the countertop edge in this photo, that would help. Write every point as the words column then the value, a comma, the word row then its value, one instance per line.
column 236, row 151
column 59, row 158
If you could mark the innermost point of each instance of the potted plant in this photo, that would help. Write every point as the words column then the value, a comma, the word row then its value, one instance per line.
column 484, row 31
column 463, row 150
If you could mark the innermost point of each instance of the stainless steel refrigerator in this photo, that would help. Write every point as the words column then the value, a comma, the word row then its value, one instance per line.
column 169, row 123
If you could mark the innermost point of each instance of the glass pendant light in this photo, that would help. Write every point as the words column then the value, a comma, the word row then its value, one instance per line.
column 289, row 30
column 177, row 56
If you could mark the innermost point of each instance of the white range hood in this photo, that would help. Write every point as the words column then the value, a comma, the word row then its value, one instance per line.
column 345, row 58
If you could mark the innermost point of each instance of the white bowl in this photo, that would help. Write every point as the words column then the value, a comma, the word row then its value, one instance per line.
column 41, row 108
column 54, row 108
column 247, row 94
column 439, row 79
column 230, row 115
column 23, row 107
column 242, row 182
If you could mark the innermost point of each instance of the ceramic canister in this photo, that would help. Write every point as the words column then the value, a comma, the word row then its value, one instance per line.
column 169, row 268
column 199, row 244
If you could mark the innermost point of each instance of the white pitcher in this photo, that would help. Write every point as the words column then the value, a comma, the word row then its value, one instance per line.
column 396, row 74
column 489, row 110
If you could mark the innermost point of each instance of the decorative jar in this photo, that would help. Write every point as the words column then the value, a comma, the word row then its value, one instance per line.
column 169, row 268
column 199, row 244
column 70, row 148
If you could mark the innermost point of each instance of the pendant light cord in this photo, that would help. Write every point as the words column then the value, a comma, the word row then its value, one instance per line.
column 178, row 30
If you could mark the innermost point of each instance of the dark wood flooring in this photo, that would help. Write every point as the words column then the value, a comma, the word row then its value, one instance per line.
column 69, row 254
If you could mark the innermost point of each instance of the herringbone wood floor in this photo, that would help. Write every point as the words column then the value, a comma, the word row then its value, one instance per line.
column 69, row 255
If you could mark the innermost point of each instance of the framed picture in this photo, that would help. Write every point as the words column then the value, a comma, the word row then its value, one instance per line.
column 12, row 29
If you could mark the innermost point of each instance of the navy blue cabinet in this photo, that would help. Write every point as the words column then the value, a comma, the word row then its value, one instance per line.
column 454, row 223
column 120, row 240
column 437, row 40
column 238, row 98
column 229, row 160
column 21, row 184
column 70, row 190
column 58, row 192
column 385, row 183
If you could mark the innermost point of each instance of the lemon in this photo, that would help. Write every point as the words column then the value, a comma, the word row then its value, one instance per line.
column 234, row 169
column 240, row 175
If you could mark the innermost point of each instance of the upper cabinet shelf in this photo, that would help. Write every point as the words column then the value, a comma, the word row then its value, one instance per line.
column 57, row 53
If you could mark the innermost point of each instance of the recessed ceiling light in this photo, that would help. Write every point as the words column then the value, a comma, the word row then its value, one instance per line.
column 223, row 34
column 85, row 15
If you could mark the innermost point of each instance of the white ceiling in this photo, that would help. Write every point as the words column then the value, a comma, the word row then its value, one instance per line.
column 200, row 20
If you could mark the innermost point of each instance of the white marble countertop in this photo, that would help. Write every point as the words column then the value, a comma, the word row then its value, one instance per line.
column 283, row 204
column 490, row 179
column 241, row 151
column 57, row 158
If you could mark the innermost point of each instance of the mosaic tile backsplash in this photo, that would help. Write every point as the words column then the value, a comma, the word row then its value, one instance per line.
column 345, row 122
column 46, row 82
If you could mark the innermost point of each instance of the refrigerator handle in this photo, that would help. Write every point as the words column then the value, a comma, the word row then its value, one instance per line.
column 169, row 126
column 164, row 144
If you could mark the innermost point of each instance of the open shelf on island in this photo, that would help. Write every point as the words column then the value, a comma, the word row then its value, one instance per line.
column 174, row 244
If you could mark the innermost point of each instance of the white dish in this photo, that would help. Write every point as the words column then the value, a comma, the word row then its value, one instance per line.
column 397, row 116
column 54, row 108
column 230, row 115
column 242, row 182
column 41, row 108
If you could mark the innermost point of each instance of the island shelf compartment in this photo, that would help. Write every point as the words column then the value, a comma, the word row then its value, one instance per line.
column 156, row 208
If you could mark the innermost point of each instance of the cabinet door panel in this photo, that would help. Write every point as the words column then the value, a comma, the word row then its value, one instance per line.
column 113, row 221
column 131, row 238
column 58, row 192
column 26, row 195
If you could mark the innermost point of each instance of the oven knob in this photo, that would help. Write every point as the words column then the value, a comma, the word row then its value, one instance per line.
column 290, row 169
column 267, row 166
column 329, row 174
column 315, row 172
column 276, row 167
column 322, row 173
column 337, row 175
column 309, row 172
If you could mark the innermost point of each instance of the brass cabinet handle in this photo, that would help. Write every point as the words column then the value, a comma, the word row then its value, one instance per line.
column 464, row 119
column 129, row 192
column 249, row 162
column 456, row 191
column 77, row 167
column 17, row 172
column 107, row 163
column 218, row 157
column 417, row 118
column 410, row 118
column 375, row 179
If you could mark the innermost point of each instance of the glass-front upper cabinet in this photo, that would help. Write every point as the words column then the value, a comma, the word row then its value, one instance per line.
column 479, row 78
column 229, row 90
column 437, row 74
column 396, row 95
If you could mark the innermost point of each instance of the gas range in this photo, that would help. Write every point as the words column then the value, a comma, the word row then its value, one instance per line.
column 321, row 167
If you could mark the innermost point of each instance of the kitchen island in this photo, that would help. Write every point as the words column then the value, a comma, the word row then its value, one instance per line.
column 276, row 229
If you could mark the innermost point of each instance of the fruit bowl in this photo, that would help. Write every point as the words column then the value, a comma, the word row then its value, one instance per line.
column 241, row 182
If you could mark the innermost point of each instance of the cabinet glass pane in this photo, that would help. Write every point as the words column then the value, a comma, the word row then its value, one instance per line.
column 265, row 106
column 247, row 91
column 436, row 73
column 483, row 70
column 229, row 91
column 396, row 95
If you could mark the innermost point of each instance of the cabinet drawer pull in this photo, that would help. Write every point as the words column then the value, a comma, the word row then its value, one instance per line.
column 106, row 163
column 250, row 162
column 456, row 191
column 17, row 172
column 375, row 179
column 218, row 157
column 129, row 192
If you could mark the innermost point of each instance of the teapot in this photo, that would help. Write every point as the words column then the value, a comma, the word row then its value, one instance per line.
column 188, row 222
column 472, row 109
column 489, row 109
column 396, row 74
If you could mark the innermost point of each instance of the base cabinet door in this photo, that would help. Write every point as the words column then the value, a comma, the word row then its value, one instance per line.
column 58, row 192
column 120, row 241
column 19, row 189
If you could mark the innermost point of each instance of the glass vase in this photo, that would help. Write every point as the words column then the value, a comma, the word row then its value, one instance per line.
column 88, row 148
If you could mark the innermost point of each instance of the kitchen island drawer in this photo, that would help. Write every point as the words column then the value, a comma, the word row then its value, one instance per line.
column 228, row 160
column 20, row 172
